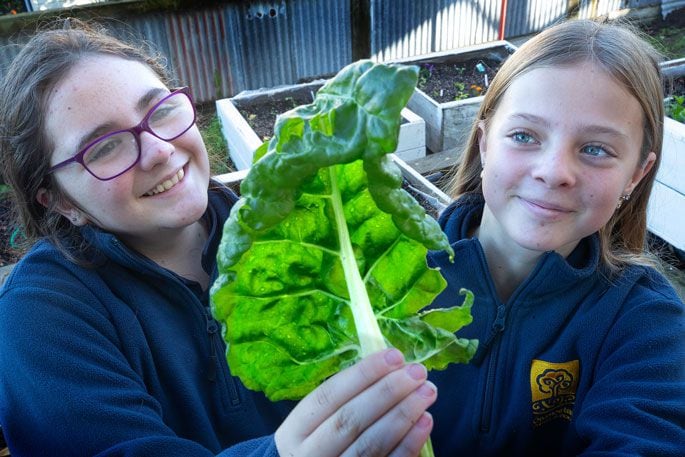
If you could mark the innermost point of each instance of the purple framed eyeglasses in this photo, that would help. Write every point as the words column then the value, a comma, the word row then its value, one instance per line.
column 113, row 154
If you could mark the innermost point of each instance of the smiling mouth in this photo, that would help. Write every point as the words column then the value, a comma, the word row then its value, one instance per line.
column 547, row 207
column 166, row 185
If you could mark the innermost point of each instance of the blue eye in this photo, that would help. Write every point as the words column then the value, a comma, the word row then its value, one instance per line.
column 522, row 137
column 595, row 150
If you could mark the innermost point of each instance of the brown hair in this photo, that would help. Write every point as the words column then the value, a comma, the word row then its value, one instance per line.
column 25, row 148
column 630, row 60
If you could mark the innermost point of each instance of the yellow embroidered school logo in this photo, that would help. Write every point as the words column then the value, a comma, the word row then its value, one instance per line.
column 553, row 388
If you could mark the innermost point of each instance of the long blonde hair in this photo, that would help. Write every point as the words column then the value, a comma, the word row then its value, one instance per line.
column 631, row 61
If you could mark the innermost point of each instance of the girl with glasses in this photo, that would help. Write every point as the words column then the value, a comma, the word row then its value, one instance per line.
column 108, row 346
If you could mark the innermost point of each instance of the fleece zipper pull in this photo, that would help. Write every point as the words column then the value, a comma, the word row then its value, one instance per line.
column 212, row 328
column 496, row 330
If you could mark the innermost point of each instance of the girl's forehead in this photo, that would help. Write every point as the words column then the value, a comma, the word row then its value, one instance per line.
column 567, row 83
column 100, row 82
column 105, row 74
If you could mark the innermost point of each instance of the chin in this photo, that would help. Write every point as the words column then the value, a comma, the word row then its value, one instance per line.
column 193, row 211
column 535, row 242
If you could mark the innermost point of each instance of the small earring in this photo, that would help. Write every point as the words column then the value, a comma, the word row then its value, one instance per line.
column 623, row 198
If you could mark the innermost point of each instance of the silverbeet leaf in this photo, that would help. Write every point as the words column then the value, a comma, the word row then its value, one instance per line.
column 323, row 259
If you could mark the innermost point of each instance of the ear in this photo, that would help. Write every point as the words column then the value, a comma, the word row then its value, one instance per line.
column 640, row 172
column 62, row 206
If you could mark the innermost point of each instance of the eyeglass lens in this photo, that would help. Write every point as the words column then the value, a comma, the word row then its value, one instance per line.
column 115, row 153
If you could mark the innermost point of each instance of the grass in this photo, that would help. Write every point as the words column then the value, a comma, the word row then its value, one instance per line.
column 217, row 149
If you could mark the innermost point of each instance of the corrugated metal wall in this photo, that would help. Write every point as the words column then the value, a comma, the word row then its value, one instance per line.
column 406, row 28
column 226, row 49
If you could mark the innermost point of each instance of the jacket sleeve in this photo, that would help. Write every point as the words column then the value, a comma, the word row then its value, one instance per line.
column 636, row 405
column 66, row 389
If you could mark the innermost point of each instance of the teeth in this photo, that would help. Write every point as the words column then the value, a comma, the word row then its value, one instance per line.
column 166, row 185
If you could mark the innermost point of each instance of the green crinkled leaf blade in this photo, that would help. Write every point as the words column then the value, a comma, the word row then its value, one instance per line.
column 282, row 295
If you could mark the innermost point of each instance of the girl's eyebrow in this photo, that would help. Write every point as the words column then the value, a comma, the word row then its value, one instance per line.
column 604, row 130
column 141, row 106
column 150, row 95
column 90, row 136
column 588, row 128
column 531, row 118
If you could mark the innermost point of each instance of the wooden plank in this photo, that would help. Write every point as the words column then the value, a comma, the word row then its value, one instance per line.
column 666, row 215
column 428, row 110
column 241, row 139
column 457, row 121
column 672, row 168
column 437, row 161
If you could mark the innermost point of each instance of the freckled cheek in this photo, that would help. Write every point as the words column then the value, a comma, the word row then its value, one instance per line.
column 105, row 198
column 602, row 205
column 601, row 197
column 495, row 185
column 192, row 140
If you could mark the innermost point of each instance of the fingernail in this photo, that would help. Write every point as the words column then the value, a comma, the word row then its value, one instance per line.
column 393, row 357
column 427, row 389
column 416, row 371
column 425, row 420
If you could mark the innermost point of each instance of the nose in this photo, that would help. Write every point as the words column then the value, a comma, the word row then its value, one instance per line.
column 154, row 151
column 556, row 167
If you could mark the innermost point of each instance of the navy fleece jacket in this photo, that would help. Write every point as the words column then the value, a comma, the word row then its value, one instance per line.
column 123, row 359
column 572, row 364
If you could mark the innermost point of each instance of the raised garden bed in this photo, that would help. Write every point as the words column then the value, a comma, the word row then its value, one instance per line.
column 451, row 87
column 248, row 119
column 666, row 210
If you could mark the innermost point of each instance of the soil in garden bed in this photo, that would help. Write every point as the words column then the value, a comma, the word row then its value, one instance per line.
column 261, row 116
column 447, row 82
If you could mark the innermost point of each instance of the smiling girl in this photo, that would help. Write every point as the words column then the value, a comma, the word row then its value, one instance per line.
column 582, row 342
column 107, row 345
